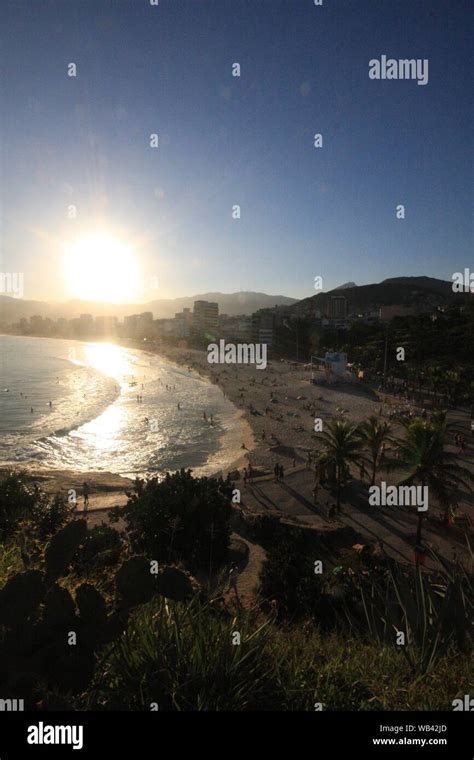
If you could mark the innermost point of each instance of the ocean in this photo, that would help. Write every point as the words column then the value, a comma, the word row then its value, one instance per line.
column 73, row 405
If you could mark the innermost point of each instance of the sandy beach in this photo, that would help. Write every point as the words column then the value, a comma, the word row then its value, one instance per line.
column 280, row 405
column 277, row 408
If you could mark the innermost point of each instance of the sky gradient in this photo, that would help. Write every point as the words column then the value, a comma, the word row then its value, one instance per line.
column 225, row 140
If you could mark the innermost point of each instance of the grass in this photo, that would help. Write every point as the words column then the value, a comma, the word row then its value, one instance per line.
column 183, row 658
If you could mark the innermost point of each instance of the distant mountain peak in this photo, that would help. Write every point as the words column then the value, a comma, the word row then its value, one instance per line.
column 346, row 286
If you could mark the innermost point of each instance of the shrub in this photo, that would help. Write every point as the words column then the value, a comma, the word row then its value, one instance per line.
column 181, row 518
column 101, row 547
column 49, row 514
column 16, row 502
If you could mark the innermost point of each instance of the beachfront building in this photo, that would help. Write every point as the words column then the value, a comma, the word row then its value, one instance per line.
column 83, row 326
column 106, row 326
column 263, row 325
column 205, row 318
column 237, row 329
column 183, row 323
column 139, row 326
column 164, row 328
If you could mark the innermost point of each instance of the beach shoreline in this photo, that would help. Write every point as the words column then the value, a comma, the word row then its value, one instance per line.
column 104, row 484
column 277, row 409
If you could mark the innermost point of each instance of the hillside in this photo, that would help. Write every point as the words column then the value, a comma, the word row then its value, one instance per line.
column 422, row 292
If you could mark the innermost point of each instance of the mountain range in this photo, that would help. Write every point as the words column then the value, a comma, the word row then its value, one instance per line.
column 244, row 302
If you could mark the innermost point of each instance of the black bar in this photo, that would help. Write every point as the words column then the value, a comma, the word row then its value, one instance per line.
column 319, row 734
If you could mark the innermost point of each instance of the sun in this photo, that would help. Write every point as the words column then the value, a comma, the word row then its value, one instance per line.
column 100, row 268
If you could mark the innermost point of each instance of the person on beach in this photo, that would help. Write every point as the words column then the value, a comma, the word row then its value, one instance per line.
column 245, row 476
column 233, row 575
column 281, row 472
column 315, row 493
column 179, row 407
column 85, row 494
column 204, row 416
column 36, row 493
column 276, row 471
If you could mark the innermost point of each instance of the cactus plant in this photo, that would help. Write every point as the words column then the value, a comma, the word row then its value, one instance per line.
column 134, row 583
column 59, row 609
column 175, row 584
column 20, row 597
column 62, row 547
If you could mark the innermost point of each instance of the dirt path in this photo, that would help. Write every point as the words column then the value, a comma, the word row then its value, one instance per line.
column 248, row 578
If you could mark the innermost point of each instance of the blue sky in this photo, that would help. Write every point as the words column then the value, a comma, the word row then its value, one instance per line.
column 225, row 140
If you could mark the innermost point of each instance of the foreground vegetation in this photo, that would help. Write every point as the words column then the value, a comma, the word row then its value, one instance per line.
column 112, row 618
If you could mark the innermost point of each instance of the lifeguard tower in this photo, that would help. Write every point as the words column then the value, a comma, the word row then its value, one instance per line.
column 331, row 368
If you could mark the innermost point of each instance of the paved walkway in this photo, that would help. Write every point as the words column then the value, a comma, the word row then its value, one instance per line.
column 395, row 526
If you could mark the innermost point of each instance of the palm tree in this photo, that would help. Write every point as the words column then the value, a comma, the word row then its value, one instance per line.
column 342, row 443
column 452, row 385
column 423, row 454
column 374, row 435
